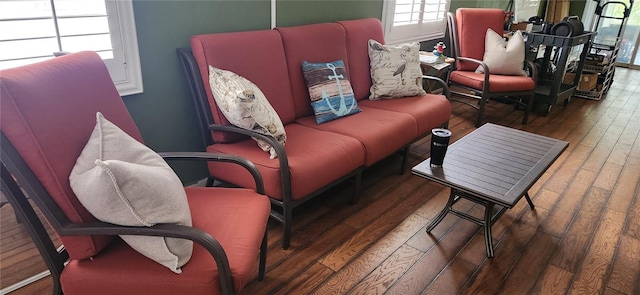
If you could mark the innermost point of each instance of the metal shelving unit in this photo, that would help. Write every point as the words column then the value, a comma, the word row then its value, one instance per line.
column 605, row 69
column 605, row 46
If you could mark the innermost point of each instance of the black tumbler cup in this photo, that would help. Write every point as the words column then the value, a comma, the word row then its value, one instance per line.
column 439, row 143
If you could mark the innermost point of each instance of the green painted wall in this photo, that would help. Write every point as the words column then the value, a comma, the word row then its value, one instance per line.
column 300, row 12
column 164, row 112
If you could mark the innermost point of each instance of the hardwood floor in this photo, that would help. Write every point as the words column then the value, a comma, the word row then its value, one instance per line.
column 582, row 238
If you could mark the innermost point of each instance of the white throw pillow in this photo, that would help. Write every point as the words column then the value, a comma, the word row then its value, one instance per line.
column 121, row 181
column 503, row 58
column 245, row 106
column 395, row 70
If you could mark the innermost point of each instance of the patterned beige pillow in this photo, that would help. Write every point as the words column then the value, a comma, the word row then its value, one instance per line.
column 395, row 70
column 245, row 106
column 121, row 181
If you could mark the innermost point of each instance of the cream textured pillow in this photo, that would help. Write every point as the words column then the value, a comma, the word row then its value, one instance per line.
column 395, row 70
column 245, row 106
column 503, row 58
column 121, row 181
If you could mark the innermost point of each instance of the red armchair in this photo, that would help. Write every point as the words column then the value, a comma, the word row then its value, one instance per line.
column 47, row 113
column 467, row 30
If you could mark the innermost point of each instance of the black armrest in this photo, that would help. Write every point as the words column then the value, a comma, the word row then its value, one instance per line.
column 445, row 87
column 248, row 165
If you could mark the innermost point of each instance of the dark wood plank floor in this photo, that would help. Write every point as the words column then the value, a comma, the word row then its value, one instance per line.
column 582, row 238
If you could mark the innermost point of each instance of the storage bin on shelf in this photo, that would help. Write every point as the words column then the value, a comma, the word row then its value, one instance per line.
column 588, row 80
column 601, row 60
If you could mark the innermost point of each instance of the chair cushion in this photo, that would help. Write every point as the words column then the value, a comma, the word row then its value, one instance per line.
column 35, row 104
column 395, row 70
column 266, row 67
column 245, row 106
column 121, row 181
column 339, row 154
column 329, row 90
column 472, row 24
column 503, row 58
column 121, row 270
column 429, row 110
column 358, row 33
column 498, row 83
column 381, row 132
column 314, row 43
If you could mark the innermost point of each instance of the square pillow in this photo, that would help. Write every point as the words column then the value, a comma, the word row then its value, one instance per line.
column 121, row 181
column 395, row 70
column 503, row 57
column 330, row 90
column 245, row 106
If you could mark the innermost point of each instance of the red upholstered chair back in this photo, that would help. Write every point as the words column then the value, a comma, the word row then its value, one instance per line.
column 472, row 25
column 60, row 115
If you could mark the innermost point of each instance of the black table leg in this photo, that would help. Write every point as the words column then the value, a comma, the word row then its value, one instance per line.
column 488, row 216
column 526, row 196
column 443, row 213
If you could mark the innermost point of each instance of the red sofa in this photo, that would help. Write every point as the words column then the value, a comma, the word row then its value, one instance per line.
column 315, row 157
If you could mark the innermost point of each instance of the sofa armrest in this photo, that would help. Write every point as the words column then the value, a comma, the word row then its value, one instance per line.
column 445, row 88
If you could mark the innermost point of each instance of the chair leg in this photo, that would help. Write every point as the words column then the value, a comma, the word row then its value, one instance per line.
column 287, row 211
column 483, row 101
column 263, row 257
column 528, row 109
column 357, row 188
column 405, row 160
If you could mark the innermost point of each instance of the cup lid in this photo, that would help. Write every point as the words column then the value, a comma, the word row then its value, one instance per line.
column 442, row 132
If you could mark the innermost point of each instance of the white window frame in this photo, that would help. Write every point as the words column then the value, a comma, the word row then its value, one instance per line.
column 126, row 38
column 420, row 31
column 124, row 67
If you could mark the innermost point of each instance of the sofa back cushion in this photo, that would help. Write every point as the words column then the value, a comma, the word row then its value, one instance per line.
column 358, row 33
column 256, row 55
column 324, row 42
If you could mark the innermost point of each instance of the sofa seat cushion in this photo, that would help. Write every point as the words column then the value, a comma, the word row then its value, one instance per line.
column 315, row 157
column 381, row 132
column 200, row 274
column 497, row 83
column 429, row 111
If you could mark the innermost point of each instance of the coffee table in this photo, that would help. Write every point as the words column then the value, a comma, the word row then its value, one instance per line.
column 493, row 166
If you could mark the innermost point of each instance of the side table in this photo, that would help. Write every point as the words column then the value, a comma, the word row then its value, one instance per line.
column 494, row 166
column 435, row 69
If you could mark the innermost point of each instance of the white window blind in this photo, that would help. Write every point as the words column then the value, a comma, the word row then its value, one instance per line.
column 35, row 30
column 414, row 20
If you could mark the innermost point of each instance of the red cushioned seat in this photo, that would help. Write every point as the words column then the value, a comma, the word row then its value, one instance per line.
column 47, row 114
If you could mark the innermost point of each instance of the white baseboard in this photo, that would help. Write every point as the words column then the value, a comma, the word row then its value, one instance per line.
column 25, row 282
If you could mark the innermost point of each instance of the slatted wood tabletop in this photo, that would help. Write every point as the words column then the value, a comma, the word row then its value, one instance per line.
column 494, row 162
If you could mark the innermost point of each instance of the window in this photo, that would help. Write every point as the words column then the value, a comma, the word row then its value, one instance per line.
column 35, row 30
column 414, row 20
